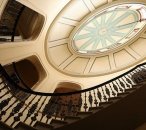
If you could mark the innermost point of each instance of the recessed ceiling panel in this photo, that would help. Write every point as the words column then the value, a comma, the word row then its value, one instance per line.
column 97, row 37
column 108, row 29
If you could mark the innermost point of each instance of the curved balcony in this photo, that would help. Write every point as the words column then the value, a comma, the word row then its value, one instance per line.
column 18, row 22
column 46, row 85
column 22, row 107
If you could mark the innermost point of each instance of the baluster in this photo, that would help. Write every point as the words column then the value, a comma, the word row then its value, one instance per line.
column 111, row 91
column 95, row 99
column 62, row 114
column 59, row 104
column 133, row 76
column 32, row 109
column 17, row 118
column 5, row 94
column 143, row 74
column 80, row 102
column 143, row 67
column 49, row 108
column 70, row 105
column 3, row 112
column 127, row 84
column 2, row 88
column 134, row 71
column 16, row 109
column 128, row 81
column 114, row 88
column 64, row 105
column 122, row 83
column 107, row 91
column 104, row 97
column 53, row 108
column 74, row 110
column 137, row 78
column 99, row 95
column 85, row 103
column 130, row 78
column 90, row 98
column 139, row 69
column 119, row 86
column 1, row 82
column 4, row 103
column 34, row 118
column 76, row 107
column 44, row 112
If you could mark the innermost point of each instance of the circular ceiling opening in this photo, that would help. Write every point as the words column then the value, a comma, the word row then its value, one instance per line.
column 105, row 30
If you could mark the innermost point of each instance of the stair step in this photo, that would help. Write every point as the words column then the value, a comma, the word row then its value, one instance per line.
column 114, row 98
column 105, row 103
column 4, row 126
column 137, row 85
column 22, row 126
column 42, row 126
column 95, row 108
column 123, row 94
column 84, row 114
column 71, row 119
column 57, row 123
column 131, row 89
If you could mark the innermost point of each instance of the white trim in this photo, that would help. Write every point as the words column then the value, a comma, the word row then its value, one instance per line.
column 89, row 5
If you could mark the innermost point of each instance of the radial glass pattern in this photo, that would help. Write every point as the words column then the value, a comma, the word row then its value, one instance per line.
column 109, row 29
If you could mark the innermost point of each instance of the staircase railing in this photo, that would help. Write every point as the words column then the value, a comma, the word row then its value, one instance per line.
column 9, row 20
column 125, row 78
column 27, row 106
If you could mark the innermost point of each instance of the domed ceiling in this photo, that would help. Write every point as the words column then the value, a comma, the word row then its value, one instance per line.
column 82, row 41
column 91, row 38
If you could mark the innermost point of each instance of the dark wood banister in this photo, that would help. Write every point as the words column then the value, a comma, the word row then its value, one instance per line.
column 16, row 22
column 2, row 70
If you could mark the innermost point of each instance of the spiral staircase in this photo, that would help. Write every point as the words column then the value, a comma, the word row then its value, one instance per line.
column 114, row 102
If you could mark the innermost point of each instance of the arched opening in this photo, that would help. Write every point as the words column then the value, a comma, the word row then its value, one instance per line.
column 27, row 73
column 18, row 22
column 69, row 105
column 64, row 87
column 30, row 23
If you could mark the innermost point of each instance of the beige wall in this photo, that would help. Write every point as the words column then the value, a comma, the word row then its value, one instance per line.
column 20, row 50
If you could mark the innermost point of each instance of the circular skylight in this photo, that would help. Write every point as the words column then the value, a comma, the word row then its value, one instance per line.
column 109, row 28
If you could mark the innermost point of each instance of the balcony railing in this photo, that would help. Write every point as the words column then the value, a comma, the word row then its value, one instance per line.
column 17, row 102
column 9, row 20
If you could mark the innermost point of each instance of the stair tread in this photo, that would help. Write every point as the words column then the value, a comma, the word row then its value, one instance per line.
column 83, row 114
column 124, row 93
column 23, row 126
column 105, row 103
column 131, row 89
column 4, row 126
column 114, row 98
column 54, row 121
column 136, row 85
column 95, row 108
column 41, row 125
column 58, row 123
column 72, row 117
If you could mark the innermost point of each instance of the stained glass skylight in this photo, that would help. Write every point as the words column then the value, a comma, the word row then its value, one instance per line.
column 109, row 29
